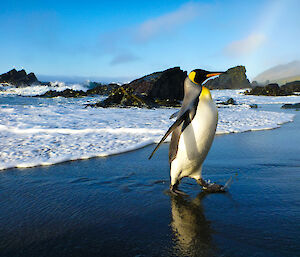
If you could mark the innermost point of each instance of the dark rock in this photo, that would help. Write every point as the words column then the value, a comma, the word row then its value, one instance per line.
column 291, row 106
column 230, row 101
column 235, row 78
column 163, row 88
column 31, row 78
column 292, row 86
column 268, row 90
column 65, row 93
column 274, row 90
column 162, row 85
column 100, row 89
column 124, row 97
column 19, row 78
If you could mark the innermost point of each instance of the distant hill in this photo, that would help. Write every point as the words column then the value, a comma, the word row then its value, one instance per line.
column 288, row 79
column 280, row 74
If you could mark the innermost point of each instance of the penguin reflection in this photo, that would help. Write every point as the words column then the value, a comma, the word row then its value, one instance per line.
column 190, row 227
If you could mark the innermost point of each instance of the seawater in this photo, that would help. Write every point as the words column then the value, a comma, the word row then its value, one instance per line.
column 43, row 131
column 120, row 206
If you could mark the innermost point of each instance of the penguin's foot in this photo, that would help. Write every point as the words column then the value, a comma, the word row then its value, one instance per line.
column 211, row 187
column 176, row 192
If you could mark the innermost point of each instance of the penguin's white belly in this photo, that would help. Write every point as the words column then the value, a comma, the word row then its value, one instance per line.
column 195, row 141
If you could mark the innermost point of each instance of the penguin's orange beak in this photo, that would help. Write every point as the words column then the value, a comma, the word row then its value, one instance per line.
column 212, row 74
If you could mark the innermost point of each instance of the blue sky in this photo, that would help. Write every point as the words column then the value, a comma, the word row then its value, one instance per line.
column 128, row 39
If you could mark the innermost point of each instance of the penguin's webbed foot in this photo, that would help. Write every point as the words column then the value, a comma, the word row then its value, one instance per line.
column 176, row 192
column 211, row 187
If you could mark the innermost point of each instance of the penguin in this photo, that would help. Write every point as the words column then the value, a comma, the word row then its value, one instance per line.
column 192, row 133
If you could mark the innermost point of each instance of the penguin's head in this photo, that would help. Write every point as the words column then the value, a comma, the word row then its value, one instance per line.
column 198, row 76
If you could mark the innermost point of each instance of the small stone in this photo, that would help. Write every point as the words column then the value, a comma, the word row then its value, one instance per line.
column 291, row 106
column 253, row 106
column 230, row 101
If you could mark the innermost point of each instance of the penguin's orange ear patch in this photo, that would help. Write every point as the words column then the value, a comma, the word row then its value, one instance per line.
column 192, row 76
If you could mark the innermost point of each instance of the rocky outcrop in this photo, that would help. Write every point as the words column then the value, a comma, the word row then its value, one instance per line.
column 163, row 88
column 269, row 90
column 64, row 93
column 123, row 97
column 291, row 106
column 292, row 86
column 19, row 78
column 235, row 78
column 162, row 85
column 275, row 90
column 100, row 89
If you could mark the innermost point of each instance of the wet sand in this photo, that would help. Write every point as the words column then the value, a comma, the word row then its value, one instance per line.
column 119, row 206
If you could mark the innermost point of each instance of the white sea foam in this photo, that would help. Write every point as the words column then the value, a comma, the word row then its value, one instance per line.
column 48, row 131
column 223, row 95
column 39, row 89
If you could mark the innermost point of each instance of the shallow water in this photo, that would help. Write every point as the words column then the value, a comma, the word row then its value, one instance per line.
column 39, row 131
column 119, row 205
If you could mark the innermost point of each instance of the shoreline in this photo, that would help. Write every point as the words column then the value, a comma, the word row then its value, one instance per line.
column 60, row 130
column 136, row 149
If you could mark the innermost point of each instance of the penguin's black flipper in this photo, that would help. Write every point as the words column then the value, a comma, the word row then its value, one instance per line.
column 170, row 130
column 175, row 114
column 190, row 101
column 177, row 132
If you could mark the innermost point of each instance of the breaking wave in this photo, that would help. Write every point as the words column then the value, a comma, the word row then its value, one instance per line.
column 48, row 131
column 34, row 90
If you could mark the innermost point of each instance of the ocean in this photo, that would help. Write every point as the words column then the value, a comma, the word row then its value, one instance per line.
column 44, row 131
column 119, row 205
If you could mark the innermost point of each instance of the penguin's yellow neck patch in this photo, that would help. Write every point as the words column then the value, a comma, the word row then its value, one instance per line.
column 205, row 93
column 192, row 76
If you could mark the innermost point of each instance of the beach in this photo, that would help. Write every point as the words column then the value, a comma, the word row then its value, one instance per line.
column 90, row 90
column 120, row 206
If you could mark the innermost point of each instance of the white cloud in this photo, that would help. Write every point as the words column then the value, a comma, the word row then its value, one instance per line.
column 117, row 43
column 246, row 46
column 124, row 58
column 167, row 22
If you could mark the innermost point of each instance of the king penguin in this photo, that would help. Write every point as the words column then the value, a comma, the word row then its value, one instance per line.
column 192, row 133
